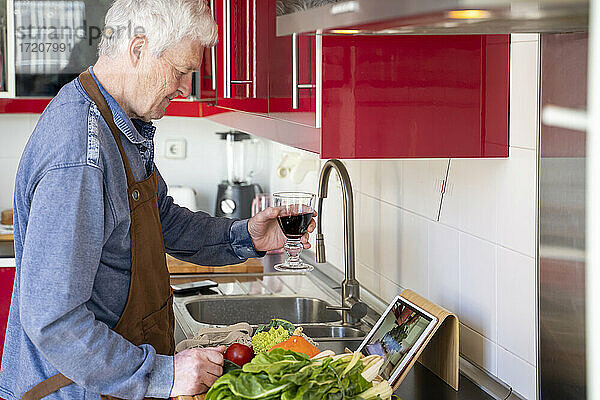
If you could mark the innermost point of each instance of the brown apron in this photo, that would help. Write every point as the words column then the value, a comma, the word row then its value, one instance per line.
column 148, row 314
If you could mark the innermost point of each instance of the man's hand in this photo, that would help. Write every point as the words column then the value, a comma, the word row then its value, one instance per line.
column 196, row 370
column 266, row 233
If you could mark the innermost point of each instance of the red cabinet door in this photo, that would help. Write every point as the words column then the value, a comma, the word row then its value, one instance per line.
column 7, row 277
column 206, row 79
column 415, row 96
column 243, row 74
column 293, row 83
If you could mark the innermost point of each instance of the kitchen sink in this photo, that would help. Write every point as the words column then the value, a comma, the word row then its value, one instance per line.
column 256, row 310
column 258, row 299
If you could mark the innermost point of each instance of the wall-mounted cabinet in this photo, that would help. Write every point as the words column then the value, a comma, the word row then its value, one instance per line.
column 387, row 96
column 376, row 96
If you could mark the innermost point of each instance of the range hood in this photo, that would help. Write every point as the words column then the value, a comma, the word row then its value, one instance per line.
column 433, row 17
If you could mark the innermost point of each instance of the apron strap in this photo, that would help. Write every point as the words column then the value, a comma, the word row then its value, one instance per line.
column 47, row 387
column 91, row 88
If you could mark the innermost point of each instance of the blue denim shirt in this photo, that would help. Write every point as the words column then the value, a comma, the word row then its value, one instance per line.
column 72, row 249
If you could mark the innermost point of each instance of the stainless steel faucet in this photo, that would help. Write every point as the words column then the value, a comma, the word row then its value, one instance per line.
column 352, row 308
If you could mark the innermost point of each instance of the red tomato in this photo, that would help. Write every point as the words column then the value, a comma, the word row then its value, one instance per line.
column 239, row 354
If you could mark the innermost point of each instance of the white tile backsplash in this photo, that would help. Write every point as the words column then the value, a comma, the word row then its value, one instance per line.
column 390, row 251
column 421, row 181
column 444, row 266
column 370, row 177
column 516, row 304
column 392, row 181
column 516, row 201
column 368, row 232
column 478, row 349
column 471, row 200
column 388, row 289
column 414, row 253
column 368, row 278
column 524, row 89
column 517, row 373
column 478, row 285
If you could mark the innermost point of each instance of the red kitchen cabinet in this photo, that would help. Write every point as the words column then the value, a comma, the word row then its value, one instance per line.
column 415, row 96
column 7, row 277
column 389, row 97
column 242, row 55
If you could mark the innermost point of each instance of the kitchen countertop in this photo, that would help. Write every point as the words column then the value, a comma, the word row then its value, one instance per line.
column 422, row 384
column 419, row 384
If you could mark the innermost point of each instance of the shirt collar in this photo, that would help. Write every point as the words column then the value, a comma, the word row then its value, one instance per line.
column 122, row 120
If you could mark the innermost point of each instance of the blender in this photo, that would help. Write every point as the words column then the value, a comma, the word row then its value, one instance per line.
column 235, row 194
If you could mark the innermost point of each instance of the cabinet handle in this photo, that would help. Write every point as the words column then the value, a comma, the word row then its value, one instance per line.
column 227, row 56
column 295, row 85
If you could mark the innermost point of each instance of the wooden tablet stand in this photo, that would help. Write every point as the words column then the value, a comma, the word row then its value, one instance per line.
column 439, row 351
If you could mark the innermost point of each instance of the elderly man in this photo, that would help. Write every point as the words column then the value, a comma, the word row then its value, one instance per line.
column 91, row 311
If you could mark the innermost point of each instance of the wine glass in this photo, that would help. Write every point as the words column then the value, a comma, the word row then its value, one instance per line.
column 261, row 202
column 295, row 213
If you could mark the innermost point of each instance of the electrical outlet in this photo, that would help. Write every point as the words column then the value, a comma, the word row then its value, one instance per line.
column 175, row 148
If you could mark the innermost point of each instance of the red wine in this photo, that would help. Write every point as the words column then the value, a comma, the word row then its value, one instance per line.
column 294, row 226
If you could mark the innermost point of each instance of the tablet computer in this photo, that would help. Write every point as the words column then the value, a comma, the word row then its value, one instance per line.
column 397, row 336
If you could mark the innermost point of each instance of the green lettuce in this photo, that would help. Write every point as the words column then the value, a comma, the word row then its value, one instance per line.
column 287, row 375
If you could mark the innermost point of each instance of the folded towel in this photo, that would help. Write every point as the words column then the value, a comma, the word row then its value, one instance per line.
column 210, row 337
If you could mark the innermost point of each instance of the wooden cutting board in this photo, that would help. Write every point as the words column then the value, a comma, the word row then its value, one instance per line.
column 176, row 266
column 7, row 238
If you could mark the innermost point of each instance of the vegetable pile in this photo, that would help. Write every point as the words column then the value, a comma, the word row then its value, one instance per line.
column 288, row 375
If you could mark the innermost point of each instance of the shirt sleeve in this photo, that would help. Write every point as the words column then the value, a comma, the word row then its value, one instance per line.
column 61, row 255
column 242, row 242
column 200, row 238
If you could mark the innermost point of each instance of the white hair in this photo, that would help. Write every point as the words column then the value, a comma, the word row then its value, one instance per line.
column 163, row 22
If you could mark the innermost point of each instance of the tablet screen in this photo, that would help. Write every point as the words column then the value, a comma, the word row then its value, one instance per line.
column 397, row 336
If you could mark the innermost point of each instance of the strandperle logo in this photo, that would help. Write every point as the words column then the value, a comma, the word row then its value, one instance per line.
column 82, row 32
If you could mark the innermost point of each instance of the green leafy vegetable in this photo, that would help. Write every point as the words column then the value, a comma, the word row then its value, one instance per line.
column 287, row 375
column 229, row 366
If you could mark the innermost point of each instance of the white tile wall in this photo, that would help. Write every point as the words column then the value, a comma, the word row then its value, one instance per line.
column 414, row 254
column 478, row 349
column 471, row 200
column 421, row 180
column 444, row 265
column 524, row 93
column 518, row 373
column 516, row 198
column 478, row 285
column 516, row 303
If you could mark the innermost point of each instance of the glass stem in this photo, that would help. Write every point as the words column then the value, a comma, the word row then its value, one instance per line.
column 293, row 247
